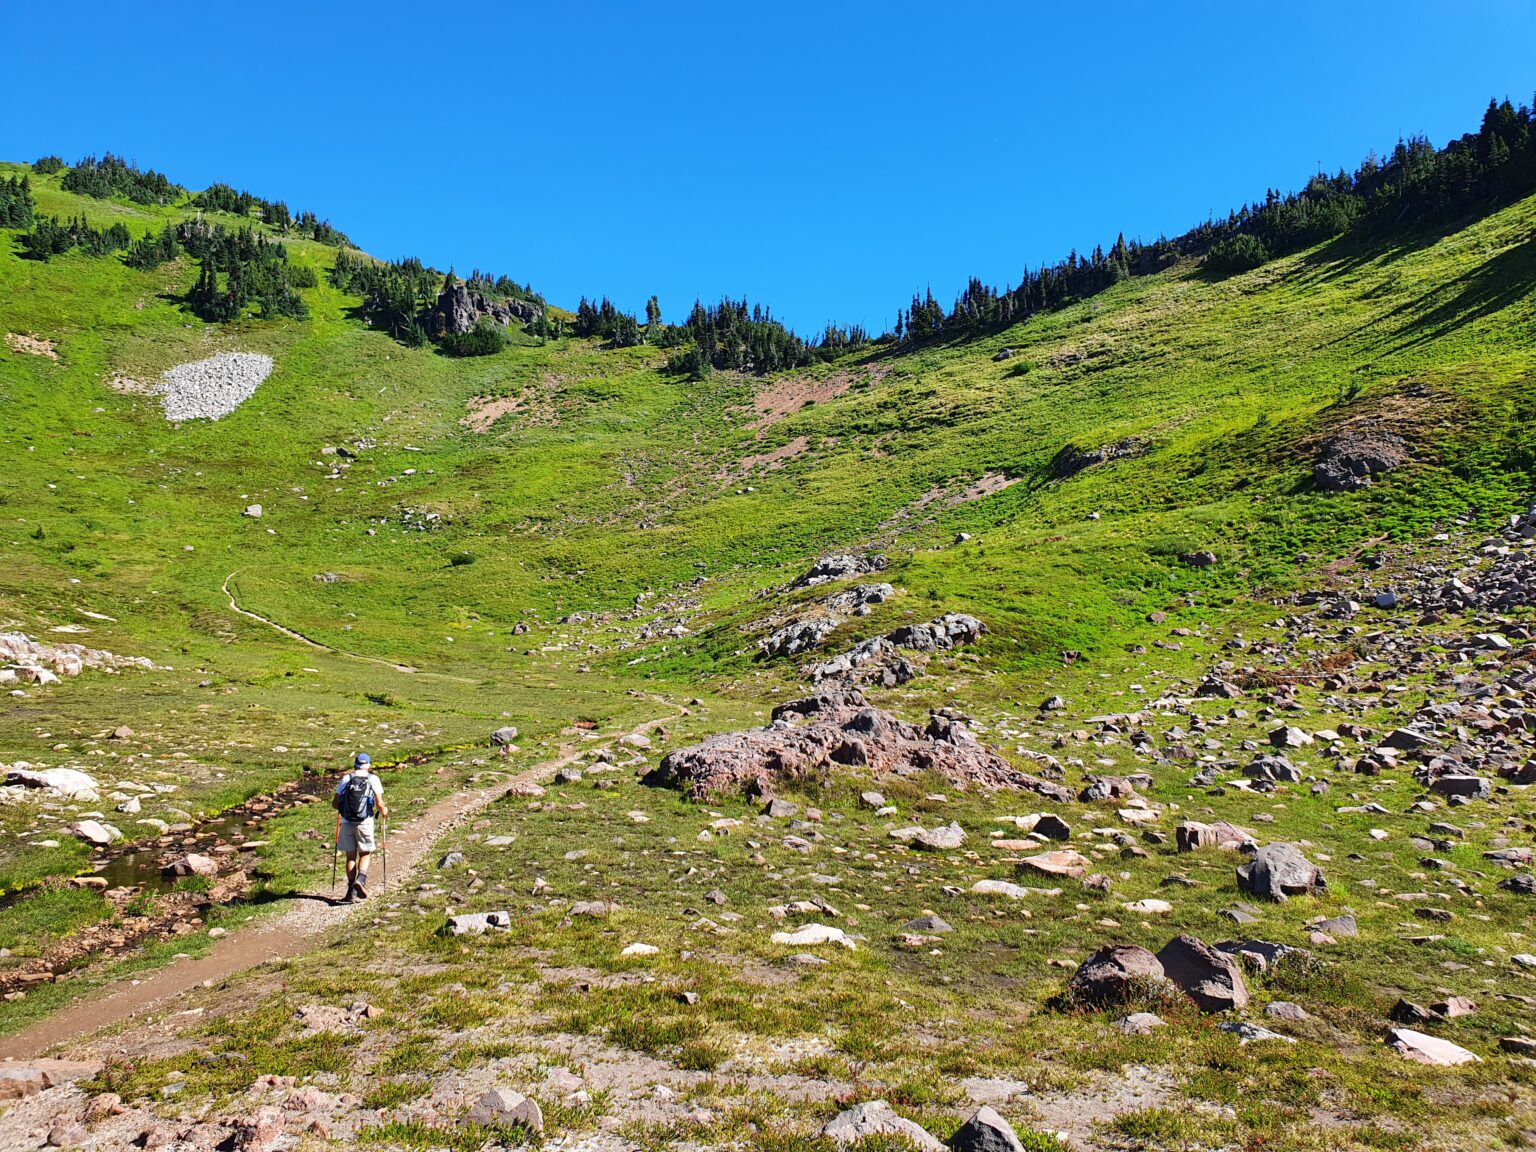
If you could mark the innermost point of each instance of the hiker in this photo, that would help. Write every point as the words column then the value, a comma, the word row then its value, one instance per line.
column 359, row 795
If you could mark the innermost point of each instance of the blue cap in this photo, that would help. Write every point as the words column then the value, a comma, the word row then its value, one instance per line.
column 361, row 759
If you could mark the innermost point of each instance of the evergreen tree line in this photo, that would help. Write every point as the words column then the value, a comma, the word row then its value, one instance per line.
column 734, row 335
column 240, row 268
column 16, row 202
column 400, row 295
column 224, row 198
column 51, row 237
column 113, row 176
column 1416, row 186
column 48, row 165
column 606, row 322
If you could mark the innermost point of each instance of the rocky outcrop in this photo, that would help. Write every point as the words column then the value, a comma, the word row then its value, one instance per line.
column 878, row 660
column 22, row 654
column 1072, row 459
column 1353, row 458
column 837, row 567
column 458, row 309
column 833, row 730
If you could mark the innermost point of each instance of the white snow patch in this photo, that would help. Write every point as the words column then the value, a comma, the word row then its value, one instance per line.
column 208, row 389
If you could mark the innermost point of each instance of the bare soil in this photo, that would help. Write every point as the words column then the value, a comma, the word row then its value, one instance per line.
column 31, row 345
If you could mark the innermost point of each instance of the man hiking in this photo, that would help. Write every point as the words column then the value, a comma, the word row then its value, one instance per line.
column 359, row 795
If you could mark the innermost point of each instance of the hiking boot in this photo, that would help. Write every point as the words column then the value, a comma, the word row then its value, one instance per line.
column 362, row 891
column 348, row 898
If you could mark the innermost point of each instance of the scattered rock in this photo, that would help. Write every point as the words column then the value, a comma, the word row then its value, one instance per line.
column 504, row 1106
column 1425, row 1049
column 985, row 1131
column 477, row 923
column 1114, row 974
column 877, row 1118
column 1208, row 977
column 1279, row 871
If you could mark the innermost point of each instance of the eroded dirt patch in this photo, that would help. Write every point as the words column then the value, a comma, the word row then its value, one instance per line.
column 785, row 397
column 770, row 461
column 938, row 498
column 31, row 345
column 535, row 403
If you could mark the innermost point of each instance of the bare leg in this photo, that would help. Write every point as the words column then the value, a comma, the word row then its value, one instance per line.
column 362, row 873
column 352, row 868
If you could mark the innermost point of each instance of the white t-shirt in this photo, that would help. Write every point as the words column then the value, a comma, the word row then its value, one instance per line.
column 373, row 782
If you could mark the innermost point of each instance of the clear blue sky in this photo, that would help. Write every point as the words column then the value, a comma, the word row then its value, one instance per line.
column 826, row 158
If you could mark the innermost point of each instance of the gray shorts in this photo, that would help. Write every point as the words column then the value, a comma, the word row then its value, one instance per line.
column 356, row 837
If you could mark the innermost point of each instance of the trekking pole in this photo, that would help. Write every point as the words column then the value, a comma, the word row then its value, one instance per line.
column 335, row 852
column 384, row 851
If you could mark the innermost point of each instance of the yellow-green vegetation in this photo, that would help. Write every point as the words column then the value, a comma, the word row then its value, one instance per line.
column 561, row 535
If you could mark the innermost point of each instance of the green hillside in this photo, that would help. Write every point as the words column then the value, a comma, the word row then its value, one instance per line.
column 571, row 537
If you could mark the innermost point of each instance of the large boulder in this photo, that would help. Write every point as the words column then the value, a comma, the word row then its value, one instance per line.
column 832, row 730
column 878, row 1118
column 1278, row 871
column 459, row 309
column 1210, row 978
column 1115, row 973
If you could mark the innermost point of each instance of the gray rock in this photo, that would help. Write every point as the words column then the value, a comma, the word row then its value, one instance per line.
column 878, row 1118
column 1279, row 871
column 1285, row 1010
column 1248, row 1033
column 504, row 1106
column 837, row 567
column 927, row 925
column 477, row 923
column 1140, row 1023
column 943, row 839
column 985, row 1131
column 1468, row 787
column 504, row 736
column 1338, row 926
column 1354, row 457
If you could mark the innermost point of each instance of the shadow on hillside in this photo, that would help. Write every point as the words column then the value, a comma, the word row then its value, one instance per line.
column 1346, row 254
column 1491, row 287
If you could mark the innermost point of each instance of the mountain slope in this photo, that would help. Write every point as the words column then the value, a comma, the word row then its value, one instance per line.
column 555, row 535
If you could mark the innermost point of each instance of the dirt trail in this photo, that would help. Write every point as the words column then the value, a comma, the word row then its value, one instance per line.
column 279, row 938
column 303, row 639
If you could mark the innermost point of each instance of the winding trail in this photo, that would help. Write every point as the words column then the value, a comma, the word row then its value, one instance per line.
column 341, row 652
column 280, row 937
